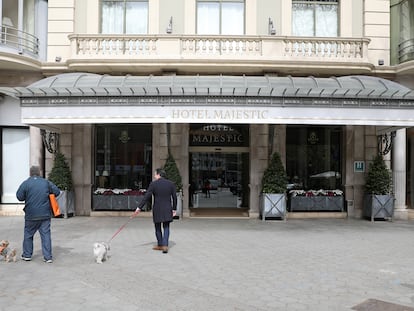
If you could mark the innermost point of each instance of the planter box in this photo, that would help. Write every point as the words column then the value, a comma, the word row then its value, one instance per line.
column 378, row 206
column 272, row 205
column 316, row 203
column 66, row 201
column 117, row 202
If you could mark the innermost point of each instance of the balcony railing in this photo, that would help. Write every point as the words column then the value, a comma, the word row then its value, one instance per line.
column 20, row 41
column 406, row 51
column 195, row 47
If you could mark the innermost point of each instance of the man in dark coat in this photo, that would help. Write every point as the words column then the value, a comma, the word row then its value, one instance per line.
column 35, row 192
column 163, row 209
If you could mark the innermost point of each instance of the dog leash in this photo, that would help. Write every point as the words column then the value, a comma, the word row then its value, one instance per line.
column 124, row 225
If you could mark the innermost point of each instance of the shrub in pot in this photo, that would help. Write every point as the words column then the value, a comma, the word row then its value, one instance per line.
column 378, row 199
column 61, row 176
column 173, row 174
column 273, row 193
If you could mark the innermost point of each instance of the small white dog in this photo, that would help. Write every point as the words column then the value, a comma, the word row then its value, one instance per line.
column 100, row 251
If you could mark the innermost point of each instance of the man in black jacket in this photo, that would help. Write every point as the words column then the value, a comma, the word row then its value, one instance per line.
column 163, row 209
column 35, row 192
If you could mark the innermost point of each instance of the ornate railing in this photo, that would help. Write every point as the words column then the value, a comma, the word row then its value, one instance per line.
column 19, row 40
column 187, row 47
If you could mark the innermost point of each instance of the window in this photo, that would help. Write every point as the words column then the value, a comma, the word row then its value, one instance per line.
column 220, row 17
column 124, row 17
column 123, row 156
column 315, row 18
column 313, row 157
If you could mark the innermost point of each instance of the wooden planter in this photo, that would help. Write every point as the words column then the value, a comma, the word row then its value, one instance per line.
column 316, row 203
column 378, row 206
column 272, row 205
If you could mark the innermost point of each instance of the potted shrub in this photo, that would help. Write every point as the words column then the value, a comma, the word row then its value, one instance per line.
column 378, row 199
column 61, row 176
column 273, row 193
column 173, row 174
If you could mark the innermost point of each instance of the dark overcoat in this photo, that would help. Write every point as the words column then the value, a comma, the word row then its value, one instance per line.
column 165, row 199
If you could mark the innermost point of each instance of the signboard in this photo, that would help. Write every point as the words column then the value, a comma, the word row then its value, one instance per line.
column 359, row 166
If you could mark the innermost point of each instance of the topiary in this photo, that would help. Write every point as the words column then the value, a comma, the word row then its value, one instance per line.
column 60, row 174
column 274, row 178
column 173, row 173
column 378, row 178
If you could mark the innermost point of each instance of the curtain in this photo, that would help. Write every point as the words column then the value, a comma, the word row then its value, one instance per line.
column 112, row 17
column 208, row 18
column 15, row 157
column 312, row 19
column 232, row 18
column 136, row 18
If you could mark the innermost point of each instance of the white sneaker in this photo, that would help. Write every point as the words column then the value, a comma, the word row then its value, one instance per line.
column 25, row 258
column 48, row 260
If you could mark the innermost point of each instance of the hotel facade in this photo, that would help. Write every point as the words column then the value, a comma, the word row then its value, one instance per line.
column 118, row 85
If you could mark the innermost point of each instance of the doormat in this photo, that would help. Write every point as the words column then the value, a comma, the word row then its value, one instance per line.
column 378, row 305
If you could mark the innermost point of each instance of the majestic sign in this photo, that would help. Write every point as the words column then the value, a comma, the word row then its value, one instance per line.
column 218, row 135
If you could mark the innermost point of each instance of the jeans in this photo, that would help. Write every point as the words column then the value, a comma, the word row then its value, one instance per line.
column 162, row 239
column 30, row 228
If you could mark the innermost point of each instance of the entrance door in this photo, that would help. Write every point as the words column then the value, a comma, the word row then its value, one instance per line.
column 219, row 179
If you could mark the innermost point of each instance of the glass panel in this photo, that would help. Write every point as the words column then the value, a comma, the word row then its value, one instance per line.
column 232, row 19
column 208, row 18
column 326, row 20
column 219, row 180
column 302, row 20
column 313, row 18
column 15, row 157
column 112, row 17
column 136, row 18
column 29, row 15
column 123, row 156
column 313, row 157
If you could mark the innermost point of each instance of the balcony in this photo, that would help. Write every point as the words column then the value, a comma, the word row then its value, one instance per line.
column 19, row 50
column 224, row 54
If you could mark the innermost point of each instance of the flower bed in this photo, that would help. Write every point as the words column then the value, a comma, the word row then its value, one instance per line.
column 316, row 200
column 118, row 199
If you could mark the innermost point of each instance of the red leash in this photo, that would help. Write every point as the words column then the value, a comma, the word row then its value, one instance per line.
column 124, row 225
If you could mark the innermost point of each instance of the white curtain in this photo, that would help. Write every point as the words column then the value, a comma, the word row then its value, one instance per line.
column 15, row 162
column 208, row 18
column 311, row 19
column 230, row 15
column 232, row 18
column 136, row 18
column 112, row 17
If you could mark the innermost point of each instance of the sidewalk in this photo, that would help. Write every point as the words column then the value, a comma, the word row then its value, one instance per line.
column 214, row 264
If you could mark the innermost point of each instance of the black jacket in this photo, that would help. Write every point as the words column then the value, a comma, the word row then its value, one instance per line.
column 165, row 199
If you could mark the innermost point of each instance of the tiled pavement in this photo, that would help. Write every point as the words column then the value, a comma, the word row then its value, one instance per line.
column 213, row 264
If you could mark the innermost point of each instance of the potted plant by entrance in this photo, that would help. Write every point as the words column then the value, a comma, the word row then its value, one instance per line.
column 273, row 194
column 61, row 176
column 378, row 199
column 173, row 174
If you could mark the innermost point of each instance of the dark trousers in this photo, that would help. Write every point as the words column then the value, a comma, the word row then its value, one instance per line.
column 30, row 228
column 162, row 237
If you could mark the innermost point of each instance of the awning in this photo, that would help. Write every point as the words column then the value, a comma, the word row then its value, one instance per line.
column 90, row 98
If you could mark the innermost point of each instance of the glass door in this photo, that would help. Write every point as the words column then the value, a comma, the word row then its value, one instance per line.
column 219, row 179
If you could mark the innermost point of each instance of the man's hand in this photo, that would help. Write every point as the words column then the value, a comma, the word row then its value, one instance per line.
column 174, row 212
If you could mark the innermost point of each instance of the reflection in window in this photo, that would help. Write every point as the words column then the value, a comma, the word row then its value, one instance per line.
column 220, row 17
column 123, row 156
column 315, row 18
column 313, row 157
column 124, row 17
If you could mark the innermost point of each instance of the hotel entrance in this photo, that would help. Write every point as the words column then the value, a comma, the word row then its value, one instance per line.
column 219, row 171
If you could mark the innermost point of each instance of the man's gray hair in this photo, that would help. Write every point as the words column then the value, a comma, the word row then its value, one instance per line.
column 34, row 171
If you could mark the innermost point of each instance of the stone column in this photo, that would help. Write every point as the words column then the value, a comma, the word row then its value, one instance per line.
column 399, row 174
column 36, row 148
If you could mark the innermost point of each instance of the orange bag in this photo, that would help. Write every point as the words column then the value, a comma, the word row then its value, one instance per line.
column 54, row 205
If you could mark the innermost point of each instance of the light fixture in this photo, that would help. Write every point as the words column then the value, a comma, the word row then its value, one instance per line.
column 170, row 26
column 105, row 173
column 50, row 140
column 58, row 59
column 124, row 137
column 271, row 30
